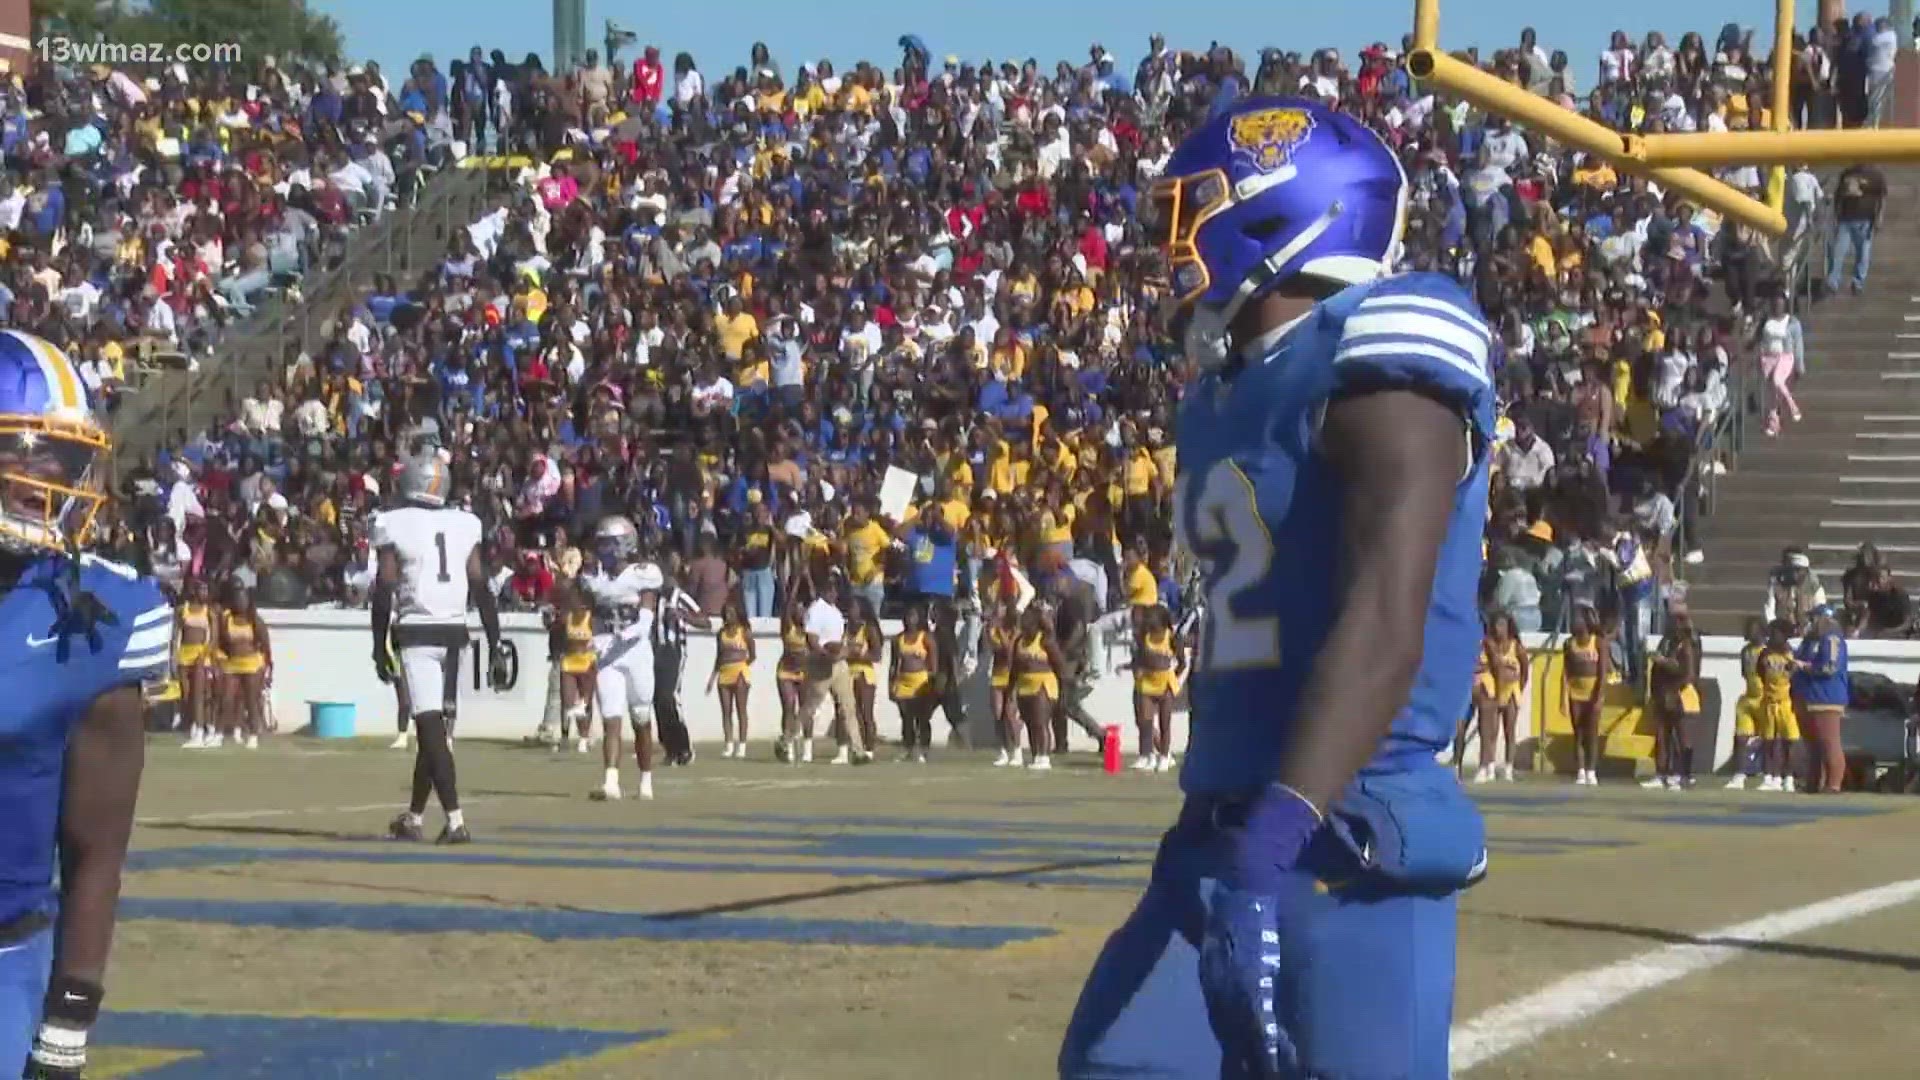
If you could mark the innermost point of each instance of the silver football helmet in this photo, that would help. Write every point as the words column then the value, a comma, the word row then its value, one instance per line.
column 617, row 539
column 425, row 481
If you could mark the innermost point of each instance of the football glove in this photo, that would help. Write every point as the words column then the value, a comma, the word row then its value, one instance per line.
column 383, row 664
column 1246, row 912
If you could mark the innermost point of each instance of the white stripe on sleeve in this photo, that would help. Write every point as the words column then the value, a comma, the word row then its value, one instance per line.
column 1416, row 325
column 1411, row 348
column 153, row 637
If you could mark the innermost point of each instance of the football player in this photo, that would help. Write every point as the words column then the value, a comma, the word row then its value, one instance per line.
column 83, row 635
column 625, row 593
column 430, row 570
column 1333, row 481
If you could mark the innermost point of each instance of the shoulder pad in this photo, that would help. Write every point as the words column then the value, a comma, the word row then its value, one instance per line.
column 1420, row 330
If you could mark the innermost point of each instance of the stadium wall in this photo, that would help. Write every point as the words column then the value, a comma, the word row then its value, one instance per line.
column 324, row 655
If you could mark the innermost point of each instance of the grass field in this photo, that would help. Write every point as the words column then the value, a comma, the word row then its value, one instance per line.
column 760, row 921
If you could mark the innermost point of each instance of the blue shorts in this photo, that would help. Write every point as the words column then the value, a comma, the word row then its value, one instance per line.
column 1365, row 987
column 24, row 968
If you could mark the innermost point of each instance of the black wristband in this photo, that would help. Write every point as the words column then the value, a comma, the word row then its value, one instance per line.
column 74, row 1002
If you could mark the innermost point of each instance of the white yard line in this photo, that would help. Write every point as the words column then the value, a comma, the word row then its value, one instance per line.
column 1578, row 997
column 290, row 811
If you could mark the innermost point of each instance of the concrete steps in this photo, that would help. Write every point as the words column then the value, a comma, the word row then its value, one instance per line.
column 1849, row 472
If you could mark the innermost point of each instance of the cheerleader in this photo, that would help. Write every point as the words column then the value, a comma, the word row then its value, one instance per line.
column 1779, row 727
column 1506, row 663
column 732, row 678
column 915, row 659
column 790, row 674
column 1585, row 664
column 997, row 639
column 247, row 667
column 1158, row 663
column 193, row 628
column 578, row 670
column 1036, row 682
column 1676, row 702
column 1748, row 747
column 864, row 643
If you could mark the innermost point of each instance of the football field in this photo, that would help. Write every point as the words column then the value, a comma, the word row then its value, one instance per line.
column 898, row 921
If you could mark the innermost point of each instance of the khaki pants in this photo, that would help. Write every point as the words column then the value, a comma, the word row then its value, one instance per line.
column 835, row 681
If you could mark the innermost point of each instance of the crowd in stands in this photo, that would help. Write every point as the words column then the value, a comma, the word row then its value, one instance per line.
column 728, row 303
column 144, row 212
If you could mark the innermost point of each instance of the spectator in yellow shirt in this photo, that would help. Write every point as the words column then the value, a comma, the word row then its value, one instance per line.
column 866, row 543
column 736, row 327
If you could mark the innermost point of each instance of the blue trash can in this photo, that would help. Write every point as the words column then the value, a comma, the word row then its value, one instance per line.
column 332, row 719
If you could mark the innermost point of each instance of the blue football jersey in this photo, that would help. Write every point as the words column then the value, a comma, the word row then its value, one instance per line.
column 47, row 696
column 1259, row 505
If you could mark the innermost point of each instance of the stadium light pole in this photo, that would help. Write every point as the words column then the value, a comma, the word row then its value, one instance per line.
column 1500, row 97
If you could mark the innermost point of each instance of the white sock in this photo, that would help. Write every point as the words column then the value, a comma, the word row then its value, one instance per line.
column 413, row 818
column 612, row 779
column 456, row 819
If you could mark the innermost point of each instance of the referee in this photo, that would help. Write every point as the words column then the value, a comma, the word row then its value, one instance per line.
column 669, row 659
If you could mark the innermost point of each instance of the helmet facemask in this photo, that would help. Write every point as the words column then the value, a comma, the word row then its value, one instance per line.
column 49, row 487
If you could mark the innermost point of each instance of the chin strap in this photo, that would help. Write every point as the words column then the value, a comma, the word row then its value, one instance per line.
column 1207, row 339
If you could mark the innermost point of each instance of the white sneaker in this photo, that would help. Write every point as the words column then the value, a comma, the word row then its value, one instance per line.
column 1739, row 783
column 214, row 742
column 1005, row 759
column 1656, row 782
column 806, row 751
column 1483, row 774
column 253, row 742
column 1769, row 783
column 1503, row 771
column 646, row 785
column 605, row 793
column 1164, row 763
column 195, row 741
column 844, row 757
column 1145, row 763
column 1043, row 763
column 919, row 757
column 1590, row 778
column 580, row 745
column 1786, row 784
column 402, row 741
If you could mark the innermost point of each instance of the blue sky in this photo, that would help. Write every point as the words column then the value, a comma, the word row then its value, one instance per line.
column 719, row 32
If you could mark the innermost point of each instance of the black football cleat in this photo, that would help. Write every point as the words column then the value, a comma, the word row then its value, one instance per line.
column 402, row 829
column 451, row 835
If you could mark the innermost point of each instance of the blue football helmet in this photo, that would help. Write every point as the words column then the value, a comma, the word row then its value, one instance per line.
column 1270, row 190
column 51, row 449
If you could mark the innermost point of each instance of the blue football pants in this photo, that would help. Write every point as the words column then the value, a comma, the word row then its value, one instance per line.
column 24, row 969
column 1365, row 988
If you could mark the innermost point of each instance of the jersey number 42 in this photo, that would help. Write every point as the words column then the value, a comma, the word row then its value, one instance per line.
column 1223, row 528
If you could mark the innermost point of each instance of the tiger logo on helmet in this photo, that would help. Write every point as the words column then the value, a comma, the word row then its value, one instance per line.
column 51, row 448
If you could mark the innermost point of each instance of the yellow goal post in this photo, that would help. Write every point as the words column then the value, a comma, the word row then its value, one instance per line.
column 1672, row 161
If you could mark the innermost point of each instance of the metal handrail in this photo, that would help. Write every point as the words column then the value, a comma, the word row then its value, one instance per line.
column 281, row 326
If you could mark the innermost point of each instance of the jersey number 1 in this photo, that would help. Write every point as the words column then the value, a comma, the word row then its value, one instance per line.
column 440, row 544
column 1227, row 515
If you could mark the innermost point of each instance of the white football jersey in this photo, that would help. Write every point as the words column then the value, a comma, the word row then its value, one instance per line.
column 616, row 597
column 433, row 544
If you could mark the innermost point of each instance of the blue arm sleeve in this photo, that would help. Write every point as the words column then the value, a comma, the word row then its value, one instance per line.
column 1419, row 331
